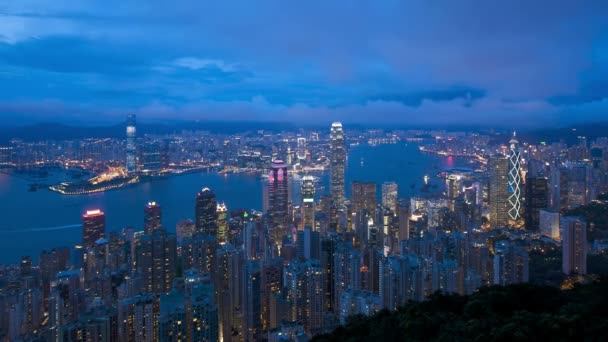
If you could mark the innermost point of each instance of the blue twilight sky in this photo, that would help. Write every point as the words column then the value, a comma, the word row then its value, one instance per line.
column 380, row 61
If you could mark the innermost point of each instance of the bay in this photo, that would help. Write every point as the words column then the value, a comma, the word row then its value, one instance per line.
column 33, row 221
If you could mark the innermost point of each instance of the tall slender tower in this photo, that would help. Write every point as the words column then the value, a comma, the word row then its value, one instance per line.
column 498, row 166
column 308, row 202
column 337, row 165
column 205, row 213
column 514, row 179
column 278, row 201
column 131, row 131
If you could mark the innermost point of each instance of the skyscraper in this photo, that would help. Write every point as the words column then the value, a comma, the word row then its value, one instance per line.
column 337, row 165
column 389, row 196
column 222, row 223
column 278, row 200
column 131, row 149
column 537, row 194
column 205, row 213
column 304, row 284
column 151, row 156
column 574, row 245
column 499, row 190
column 156, row 260
column 93, row 227
column 308, row 202
column 152, row 217
column 363, row 198
column 514, row 179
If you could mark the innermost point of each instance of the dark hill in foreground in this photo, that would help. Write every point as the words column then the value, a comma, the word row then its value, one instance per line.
column 514, row 313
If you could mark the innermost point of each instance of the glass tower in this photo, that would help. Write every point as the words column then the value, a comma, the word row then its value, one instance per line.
column 338, row 161
column 514, row 179
column 131, row 131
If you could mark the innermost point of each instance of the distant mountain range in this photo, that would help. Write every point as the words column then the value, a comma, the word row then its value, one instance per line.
column 60, row 131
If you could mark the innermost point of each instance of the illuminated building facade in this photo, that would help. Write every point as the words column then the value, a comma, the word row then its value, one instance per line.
column 574, row 245
column 93, row 227
column 205, row 212
column 337, row 165
column 389, row 196
column 152, row 217
column 278, row 201
column 308, row 202
column 515, row 195
column 499, row 190
column 222, row 223
column 131, row 148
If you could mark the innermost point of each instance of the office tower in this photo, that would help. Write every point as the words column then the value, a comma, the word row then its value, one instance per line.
column 93, row 227
column 571, row 186
column 205, row 213
column 152, row 218
column 222, row 223
column 272, row 282
column 404, row 220
column 308, row 244
column 228, row 282
column 337, row 164
column 498, row 166
column 252, row 301
column 347, row 270
column 156, row 261
column 363, row 198
column 138, row 318
column 514, row 179
column 453, row 185
column 549, row 224
column 511, row 264
column 574, row 245
column 131, row 149
column 308, row 203
column 537, row 194
column 278, row 201
column 304, row 284
column 151, row 157
column 389, row 196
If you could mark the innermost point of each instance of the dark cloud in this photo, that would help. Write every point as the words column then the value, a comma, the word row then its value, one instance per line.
column 414, row 61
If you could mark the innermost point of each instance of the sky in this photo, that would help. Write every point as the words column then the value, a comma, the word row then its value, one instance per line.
column 506, row 63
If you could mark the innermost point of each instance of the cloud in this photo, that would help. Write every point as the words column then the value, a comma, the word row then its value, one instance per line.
column 411, row 61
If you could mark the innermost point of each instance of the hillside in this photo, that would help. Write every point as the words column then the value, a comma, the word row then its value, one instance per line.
column 515, row 313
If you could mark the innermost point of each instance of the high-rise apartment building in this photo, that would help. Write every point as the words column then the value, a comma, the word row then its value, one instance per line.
column 222, row 223
column 574, row 245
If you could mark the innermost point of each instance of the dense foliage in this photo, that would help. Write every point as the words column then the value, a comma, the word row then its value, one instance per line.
column 514, row 313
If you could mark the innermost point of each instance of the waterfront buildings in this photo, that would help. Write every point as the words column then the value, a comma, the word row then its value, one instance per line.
column 205, row 212
column 130, row 145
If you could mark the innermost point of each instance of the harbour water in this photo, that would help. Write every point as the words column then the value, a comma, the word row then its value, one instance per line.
column 33, row 221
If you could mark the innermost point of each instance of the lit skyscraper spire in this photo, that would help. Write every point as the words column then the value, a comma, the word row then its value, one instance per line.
column 338, row 161
column 131, row 131
column 514, row 179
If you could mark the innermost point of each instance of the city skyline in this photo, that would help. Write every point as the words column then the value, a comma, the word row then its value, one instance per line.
column 540, row 63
